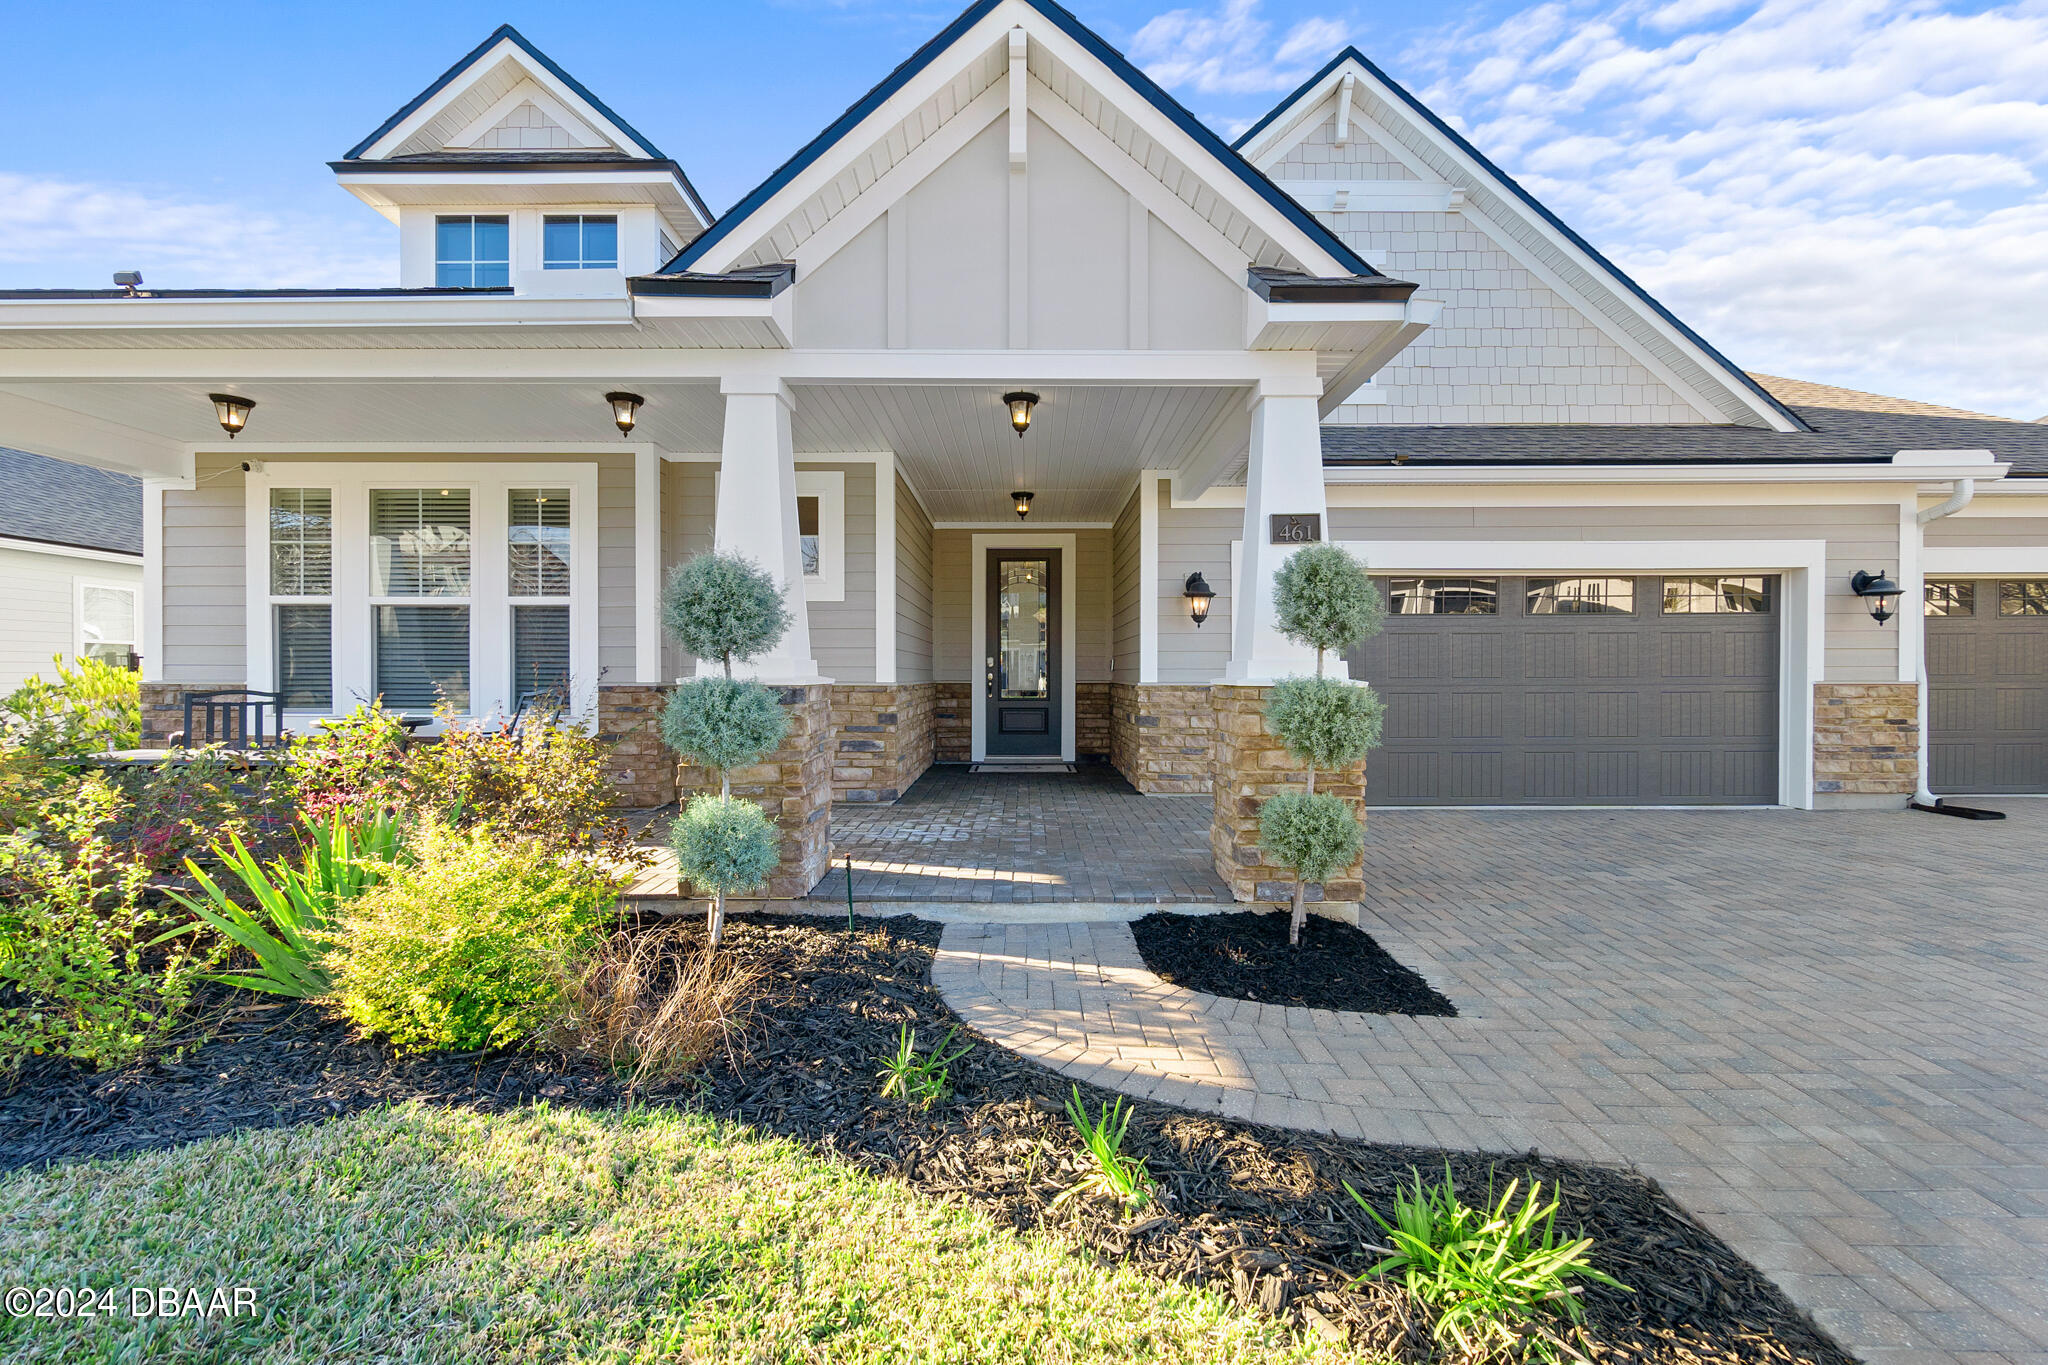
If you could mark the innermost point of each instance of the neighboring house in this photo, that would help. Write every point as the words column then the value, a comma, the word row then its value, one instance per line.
column 1622, row 566
column 70, row 564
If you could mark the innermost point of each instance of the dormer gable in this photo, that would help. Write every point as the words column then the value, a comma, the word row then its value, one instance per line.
column 506, row 135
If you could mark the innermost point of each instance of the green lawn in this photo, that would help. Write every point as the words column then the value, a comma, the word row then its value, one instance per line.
column 550, row 1235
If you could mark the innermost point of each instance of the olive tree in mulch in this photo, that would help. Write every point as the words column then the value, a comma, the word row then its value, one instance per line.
column 1323, row 598
column 723, row 607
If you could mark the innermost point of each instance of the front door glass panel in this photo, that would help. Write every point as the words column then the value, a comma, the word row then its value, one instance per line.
column 1024, row 630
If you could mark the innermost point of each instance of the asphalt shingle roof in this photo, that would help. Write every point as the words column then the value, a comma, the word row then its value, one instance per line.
column 69, row 504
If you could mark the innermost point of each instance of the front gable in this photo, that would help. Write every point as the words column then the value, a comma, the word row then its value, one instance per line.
column 1537, row 327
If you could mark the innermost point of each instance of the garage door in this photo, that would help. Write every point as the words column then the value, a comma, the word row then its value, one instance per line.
column 1576, row 691
column 1987, row 685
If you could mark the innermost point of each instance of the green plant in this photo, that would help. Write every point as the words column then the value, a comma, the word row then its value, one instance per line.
column 1493, row 1275
column 354, row 763
column 181, row 809
column 81, row 972
column 920, row 1079
column 547, row 784
column 723, row 724
column 726, row 844
column 723, row 607
column 650, row 1009
column 467, row 946
column 296, row 907
column 1116, row 1172
column 93, row 705
column 1323, row 598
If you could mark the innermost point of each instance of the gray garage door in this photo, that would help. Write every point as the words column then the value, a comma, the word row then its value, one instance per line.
column 1987, row 685
column 1576, row 691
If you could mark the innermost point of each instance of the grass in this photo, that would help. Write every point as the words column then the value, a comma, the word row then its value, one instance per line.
column 415, row 1234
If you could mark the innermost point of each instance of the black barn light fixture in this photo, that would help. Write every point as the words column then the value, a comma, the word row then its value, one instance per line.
column 1199, row 595
column 1878, row 589
column 1020, row 404
column 625, row 410
column 231, row 412
column 1022, row 500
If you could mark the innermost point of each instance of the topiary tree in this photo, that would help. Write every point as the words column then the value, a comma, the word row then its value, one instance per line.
column 720, row 606
column 1322, row 598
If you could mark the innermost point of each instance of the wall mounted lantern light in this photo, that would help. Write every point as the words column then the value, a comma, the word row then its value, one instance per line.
column 231, row 412
column 1880, row 591
column 1020, row 404
column 1199, row 595
column 1022, row 502
column 625, row 410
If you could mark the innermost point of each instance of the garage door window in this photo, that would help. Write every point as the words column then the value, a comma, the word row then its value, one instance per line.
column 1443, row 596
column 1582, row 596
column 2023, row 597
column 1716, row 596
column 1955, row 597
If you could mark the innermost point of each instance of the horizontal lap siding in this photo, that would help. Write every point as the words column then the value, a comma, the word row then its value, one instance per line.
column 688, row 503
column 39, row 610
column 1192, row 538
column 204, row 617
column 954, row 651
column 1989, row 532
column 1092, row 592
column 615, row 578
column 1126, row 550
column 913, row 588
column 843, row 633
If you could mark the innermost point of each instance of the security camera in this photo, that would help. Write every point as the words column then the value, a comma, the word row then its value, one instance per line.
column 252, row 466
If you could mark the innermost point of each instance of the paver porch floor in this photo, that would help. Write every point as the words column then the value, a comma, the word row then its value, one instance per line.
column 1827, row 1034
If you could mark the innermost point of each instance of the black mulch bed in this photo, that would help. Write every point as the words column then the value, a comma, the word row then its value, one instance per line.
column 1245, row 955
column 1258, row 1212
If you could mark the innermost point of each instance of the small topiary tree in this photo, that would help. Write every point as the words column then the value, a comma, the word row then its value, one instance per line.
column 1322, row 598
column 720, row 606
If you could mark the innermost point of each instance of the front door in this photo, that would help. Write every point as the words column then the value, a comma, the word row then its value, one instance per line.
column 1020, row 659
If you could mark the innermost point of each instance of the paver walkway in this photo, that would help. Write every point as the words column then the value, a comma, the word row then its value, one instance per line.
column 1827, row 1034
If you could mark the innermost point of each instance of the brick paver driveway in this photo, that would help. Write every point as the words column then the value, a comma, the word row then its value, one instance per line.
column 1827, row 1034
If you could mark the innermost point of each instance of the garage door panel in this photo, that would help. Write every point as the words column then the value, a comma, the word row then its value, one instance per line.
column 1548, row 700
column 1987, row 684
column 1951, row 710
column 2022, row 653
column 2020, row 710
column 1950, row 654
column 2021, row 767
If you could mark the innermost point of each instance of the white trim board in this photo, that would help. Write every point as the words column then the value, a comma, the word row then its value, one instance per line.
column 1802, row 611
column 982, row 543
column 44, row 547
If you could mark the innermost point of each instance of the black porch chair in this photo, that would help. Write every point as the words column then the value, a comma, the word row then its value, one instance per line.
column 234, row 720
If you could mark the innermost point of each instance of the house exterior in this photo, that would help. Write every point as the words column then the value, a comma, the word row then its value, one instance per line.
column 1620, row 566
column 70, row 565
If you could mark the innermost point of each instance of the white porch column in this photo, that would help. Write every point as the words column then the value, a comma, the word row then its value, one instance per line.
column 757, row 514
column 1283, row 475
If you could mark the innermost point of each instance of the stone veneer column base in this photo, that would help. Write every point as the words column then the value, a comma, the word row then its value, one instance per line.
column 1251, row 765
column 1161, row 736
column 952, row 722
column 793, row 785
column 1866, row 743
column 1092, row 719
column 881, row 739
column 163, row 708
column 641, row 766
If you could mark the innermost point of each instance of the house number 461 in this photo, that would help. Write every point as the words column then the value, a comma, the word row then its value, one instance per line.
column 1296, row 528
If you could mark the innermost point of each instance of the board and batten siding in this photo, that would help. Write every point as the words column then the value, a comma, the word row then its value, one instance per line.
column 1859, row 536
column 1126, row 540
column 205, row 558
column 953, row 648
column 913, row 588
column 39, row 609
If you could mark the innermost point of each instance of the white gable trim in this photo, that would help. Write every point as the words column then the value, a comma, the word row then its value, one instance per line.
column 571, row 123
column 504, row 50
column 1275, row 140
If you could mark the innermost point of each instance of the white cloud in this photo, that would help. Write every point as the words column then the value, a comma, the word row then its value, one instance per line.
column 1843, row 190
column 76, row 233
column 1232, row 51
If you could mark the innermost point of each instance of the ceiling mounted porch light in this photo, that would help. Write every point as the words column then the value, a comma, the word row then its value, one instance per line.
column 1022, row 502
column 625, row 410
column 1199, row 595
column 1878, row 589
column 1020, row 404
column 231, row 412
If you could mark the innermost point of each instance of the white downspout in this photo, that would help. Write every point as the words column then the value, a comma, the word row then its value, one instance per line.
column 1959, row 497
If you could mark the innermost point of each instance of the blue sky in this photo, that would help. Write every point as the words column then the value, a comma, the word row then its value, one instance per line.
column 1844, row 190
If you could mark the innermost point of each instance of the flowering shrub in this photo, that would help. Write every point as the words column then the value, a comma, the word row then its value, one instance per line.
column 546, row 786
column 349, row 765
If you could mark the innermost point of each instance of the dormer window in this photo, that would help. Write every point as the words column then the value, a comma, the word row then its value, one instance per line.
column 579, row 241
column 472, row 252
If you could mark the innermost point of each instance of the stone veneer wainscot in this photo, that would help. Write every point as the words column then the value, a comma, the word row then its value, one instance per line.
column 1251, row 765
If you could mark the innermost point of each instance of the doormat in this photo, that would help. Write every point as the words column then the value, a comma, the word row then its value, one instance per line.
column 1054, row 767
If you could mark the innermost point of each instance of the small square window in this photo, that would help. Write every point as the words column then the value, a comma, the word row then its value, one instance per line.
column 1717, row 596
column 1443, row 596
column 579, row 242
column 472, row 252
column 1951, row 597
column 1582, row 596
column 807, row 534
column 2023, row 597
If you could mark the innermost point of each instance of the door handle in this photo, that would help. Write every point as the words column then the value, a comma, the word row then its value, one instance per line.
column 991, row 676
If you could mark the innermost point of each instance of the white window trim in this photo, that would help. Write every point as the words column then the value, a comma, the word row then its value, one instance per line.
column 490, row 601
column 828, row 486
column 78, row 587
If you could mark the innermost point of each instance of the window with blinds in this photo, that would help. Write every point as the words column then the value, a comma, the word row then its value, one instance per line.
column 420, row 548
column 539, row 567
column 305, row 656
column 301, row 594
